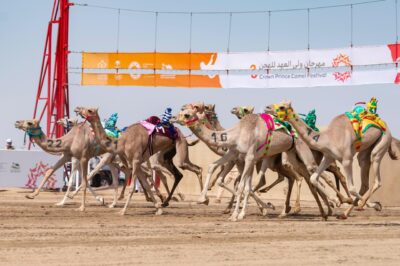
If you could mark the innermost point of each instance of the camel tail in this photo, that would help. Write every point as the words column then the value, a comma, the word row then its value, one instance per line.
column 193, row 142
column 393, row 146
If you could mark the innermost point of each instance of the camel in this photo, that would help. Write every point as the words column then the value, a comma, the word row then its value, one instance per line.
column 336, row 142
column 134, row 148
column 77, row 143
column 241, row 111
column 242, row 140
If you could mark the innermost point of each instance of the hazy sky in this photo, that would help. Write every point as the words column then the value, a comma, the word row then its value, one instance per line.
column 23, row 26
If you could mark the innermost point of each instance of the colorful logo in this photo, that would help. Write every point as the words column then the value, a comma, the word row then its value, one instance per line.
column 341, row 60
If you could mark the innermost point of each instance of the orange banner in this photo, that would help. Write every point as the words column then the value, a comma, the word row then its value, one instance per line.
column 151, row 80
column 159, row 61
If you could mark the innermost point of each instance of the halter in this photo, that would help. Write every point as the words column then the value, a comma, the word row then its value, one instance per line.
column 31, row 134
column 241, row 111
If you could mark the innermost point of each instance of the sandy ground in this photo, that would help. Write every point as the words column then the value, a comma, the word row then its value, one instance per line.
column 35, row 232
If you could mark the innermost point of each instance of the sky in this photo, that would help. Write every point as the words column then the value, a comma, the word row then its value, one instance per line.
column 23, row 26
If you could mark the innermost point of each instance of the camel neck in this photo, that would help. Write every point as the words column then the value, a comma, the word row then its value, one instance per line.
column 48, row 145
column 214, row 122
column 215, row 140
column 99, row 133
column 310, row 136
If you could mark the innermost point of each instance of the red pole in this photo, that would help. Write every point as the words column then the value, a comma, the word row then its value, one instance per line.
column 54, row 102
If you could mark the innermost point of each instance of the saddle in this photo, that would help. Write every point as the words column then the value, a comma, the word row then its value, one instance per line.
column 362, row 120
column 154, row 127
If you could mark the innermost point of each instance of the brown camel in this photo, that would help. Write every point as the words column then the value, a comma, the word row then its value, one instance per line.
column 242, row 141
column 336, row 142
column 78, row 143
column 133, row 147
column 241, row 111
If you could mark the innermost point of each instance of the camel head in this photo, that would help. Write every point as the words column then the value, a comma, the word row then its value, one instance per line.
column 188, row 117
column 199, row 106
column 241, row 111
column 283, row 110
column 27, row 125
column 67, row 122
column 86, row 113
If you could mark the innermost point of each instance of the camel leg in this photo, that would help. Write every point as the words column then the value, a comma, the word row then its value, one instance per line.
column 339, row 177
column 376, row 157
column 193, row 168
column 127, row 178
column 348, row 169
column 104, row 161
column 268, row 188
column 247, row 190
column 297, row 208
column 314, row 179
column 229, row 156
column 49, row 173
column 214, row 181
column 114, row 173
column 74, row 170
column 287, row 208
column 84, row 166
column 247, row 171
column 178, row 176
column 135, row 171
column 221, row 187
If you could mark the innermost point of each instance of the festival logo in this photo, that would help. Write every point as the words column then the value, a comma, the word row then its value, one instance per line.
column 341, row 60
column 134, row 65
column 395, row 52
column 37, row 171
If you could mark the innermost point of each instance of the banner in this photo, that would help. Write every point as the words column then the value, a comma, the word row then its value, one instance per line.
column 19, row 168
column 272, row 60
column 275, row 80
column 327, row 67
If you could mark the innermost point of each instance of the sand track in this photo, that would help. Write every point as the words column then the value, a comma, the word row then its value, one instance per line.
column 36, row 232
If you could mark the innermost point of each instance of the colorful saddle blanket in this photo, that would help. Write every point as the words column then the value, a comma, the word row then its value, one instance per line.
column 153, row 125
column 362, row 120
column 273, row 124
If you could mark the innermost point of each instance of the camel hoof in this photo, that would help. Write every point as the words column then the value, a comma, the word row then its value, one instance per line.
column 233, row 218
column 297, row 210
column 330, row 212
column 159, row 211
column 282, row 215
column 101, row 200
column 112, row 205
column 122, row 212
column 241, row 216
column 70, row 196
column 165, row 204
column 264, row 212
column 218, row 201
column 226, row 211
column 29, row 196
column 270, row 206
column 81, row 209
column 377, row 206
column 181, row 196
column 341, row 217
column 175, row 198
column 324, row 218
column 204, row 201
column 59, row 203
column 263, row 191
column 121, row 198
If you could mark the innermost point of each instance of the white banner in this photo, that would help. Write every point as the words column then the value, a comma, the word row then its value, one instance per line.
column 304, row 59
column 19, row 168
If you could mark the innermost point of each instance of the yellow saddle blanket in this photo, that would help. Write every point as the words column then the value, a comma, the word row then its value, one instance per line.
column 362, row 120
